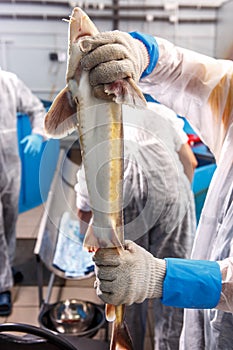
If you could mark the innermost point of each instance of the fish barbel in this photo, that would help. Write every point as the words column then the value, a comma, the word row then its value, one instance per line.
column 100, row 126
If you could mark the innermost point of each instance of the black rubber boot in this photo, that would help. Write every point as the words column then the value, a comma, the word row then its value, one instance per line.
column 5, row 303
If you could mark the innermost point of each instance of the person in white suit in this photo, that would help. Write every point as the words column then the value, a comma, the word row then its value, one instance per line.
column 199, row 88
column 15, row 97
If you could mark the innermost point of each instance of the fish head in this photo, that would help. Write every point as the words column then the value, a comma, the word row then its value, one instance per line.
column 80, row 25
column 61, row 119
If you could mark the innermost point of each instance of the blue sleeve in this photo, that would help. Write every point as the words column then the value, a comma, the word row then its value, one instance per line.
column 192, row 284
column 152, row 48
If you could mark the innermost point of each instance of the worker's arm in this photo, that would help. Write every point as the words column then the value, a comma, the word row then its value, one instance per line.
column 188, row 160
column 193, row 85
column 133, row 275
column 29, row 103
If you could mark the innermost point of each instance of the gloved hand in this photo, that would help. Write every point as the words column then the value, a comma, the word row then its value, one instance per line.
column 128, row 277
column 33, row 143
column 113, row 55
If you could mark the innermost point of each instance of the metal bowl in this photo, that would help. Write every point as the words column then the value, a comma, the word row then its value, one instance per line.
column 72, row 316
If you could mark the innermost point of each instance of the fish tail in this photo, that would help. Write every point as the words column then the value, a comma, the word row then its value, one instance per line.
column 120, row 339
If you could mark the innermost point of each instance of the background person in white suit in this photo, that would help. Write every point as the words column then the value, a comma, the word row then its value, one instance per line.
column 159, row 211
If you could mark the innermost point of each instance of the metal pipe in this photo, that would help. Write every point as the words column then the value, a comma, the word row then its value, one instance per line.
column 116, row 19
column 113, row 6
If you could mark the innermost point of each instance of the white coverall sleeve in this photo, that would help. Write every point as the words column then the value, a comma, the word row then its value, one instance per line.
column 29, row 103
column 199, row 88
column 82, row 197
column 195, row 86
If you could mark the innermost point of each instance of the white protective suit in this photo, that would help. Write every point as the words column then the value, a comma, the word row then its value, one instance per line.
column 159, row 208
column 14, row 97
column 201, row 89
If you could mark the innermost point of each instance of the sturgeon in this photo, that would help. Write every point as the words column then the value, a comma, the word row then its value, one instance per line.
column 100, row 126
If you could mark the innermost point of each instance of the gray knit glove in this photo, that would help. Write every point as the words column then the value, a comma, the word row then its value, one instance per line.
column 113, row 55
column 128, row 277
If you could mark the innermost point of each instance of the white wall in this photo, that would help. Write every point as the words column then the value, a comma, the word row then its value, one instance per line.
column 25, row 48
column 25, row 44
column 224, row 32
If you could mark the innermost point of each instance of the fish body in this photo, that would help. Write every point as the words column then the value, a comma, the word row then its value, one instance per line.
column 100, row 126
column 101, row 137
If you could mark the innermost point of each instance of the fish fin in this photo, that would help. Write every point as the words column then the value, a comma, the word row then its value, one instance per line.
column 110, row 312
column 90, row 241
column 61, row 119
column 125, row 91
column 100, row 237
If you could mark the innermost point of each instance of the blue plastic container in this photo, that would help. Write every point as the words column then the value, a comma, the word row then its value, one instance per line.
column 36, row 171
column 200, row 185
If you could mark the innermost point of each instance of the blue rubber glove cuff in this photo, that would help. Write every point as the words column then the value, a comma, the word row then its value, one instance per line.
column 192, row 284
column 33, row 143
column 152, row 48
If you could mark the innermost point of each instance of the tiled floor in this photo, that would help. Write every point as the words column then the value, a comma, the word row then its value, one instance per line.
column 26, row 302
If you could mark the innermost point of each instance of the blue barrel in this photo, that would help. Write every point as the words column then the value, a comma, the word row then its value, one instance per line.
column 37, row 171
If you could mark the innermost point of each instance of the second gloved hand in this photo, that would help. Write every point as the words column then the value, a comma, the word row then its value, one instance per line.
column 113, row 55
column 33, row 143
column 131, row 276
